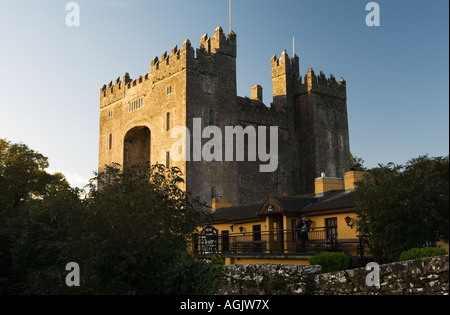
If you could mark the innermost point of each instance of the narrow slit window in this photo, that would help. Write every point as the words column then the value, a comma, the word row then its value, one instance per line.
column 167, row 121
column 110, row 142
column 167, row 159
column 211, row 117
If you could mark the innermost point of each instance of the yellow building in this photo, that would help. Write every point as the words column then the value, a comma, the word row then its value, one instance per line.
column 265, row 232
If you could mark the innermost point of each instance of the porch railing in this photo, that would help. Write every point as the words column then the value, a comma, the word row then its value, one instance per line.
column 274, row 242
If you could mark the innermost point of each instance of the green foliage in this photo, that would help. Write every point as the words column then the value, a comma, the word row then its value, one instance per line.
column 330, row 261
column 187, row 276
column 22, row 176
column 419, row 253
column 217, row 260
column 403, row 207
column 357, row 164
column 129, row 235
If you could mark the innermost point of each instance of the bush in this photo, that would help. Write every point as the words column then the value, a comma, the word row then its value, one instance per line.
column 419, row 253
column 330, row 261
column 217, row 260
column 187, row 276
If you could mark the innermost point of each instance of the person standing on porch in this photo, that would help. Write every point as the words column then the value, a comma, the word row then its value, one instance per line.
column 302, row 229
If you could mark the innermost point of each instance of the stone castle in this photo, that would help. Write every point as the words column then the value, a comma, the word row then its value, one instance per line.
column 137, row 116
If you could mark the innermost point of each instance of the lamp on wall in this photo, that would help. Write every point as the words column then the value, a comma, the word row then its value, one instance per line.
column 348, row 220
column 241, row 229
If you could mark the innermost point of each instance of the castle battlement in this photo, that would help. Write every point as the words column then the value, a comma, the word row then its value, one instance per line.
column 323, row 85
column 202, row 59
column 285, row 65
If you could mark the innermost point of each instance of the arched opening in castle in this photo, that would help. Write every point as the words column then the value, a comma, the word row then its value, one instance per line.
column 310, row 112
column 136, row 148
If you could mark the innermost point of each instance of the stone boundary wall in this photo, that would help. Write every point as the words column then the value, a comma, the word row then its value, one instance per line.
column 429, row 276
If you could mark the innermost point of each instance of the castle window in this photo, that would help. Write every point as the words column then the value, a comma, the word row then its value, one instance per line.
column 167, row 159
column 208, row 88
column 211, row 117
column 136, row 104
column 111, row 114
column 169, row 90
column 110, row 142
column 167, row 121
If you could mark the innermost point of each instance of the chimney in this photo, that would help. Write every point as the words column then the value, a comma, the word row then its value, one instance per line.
column 257, row 93
column 325, row 184
column 218, row 203
column 351, row 178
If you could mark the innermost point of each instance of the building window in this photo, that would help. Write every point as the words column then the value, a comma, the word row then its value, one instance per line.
column 211, row 117
column 167, row 121
column 256, row 232
column 169, row 90
column 167, row 159
column 110, row 142
column 331, row 226
column 110, row 114
column 225, row 241
column 136, row 104
column 208, row 88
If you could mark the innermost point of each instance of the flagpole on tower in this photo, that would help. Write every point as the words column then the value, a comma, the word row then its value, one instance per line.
column 293, row 46
column 230, row 14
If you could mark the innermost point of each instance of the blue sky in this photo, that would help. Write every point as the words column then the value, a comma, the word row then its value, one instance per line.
column 397, row 74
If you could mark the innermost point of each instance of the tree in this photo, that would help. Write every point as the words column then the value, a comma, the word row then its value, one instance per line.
column 140, row 225
column 404, row 207
column 22, row 175
column 129, row 235
column 357, row 164
column 23, row 179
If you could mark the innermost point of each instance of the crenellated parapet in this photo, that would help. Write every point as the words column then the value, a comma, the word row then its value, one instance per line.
column 322, row 85
column 285, row 65
column 205, row 59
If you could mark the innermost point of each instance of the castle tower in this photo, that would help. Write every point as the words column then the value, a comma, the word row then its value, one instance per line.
column 211, row 94
column 321, row 129
column 285, row 75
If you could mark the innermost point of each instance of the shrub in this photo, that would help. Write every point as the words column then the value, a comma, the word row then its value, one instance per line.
column 330, row 261
column 217, row 260
column 419, row 253
column 187, row 276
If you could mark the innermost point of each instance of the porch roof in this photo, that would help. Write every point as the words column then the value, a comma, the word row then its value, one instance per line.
column 236, row 214
column 331, row 202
